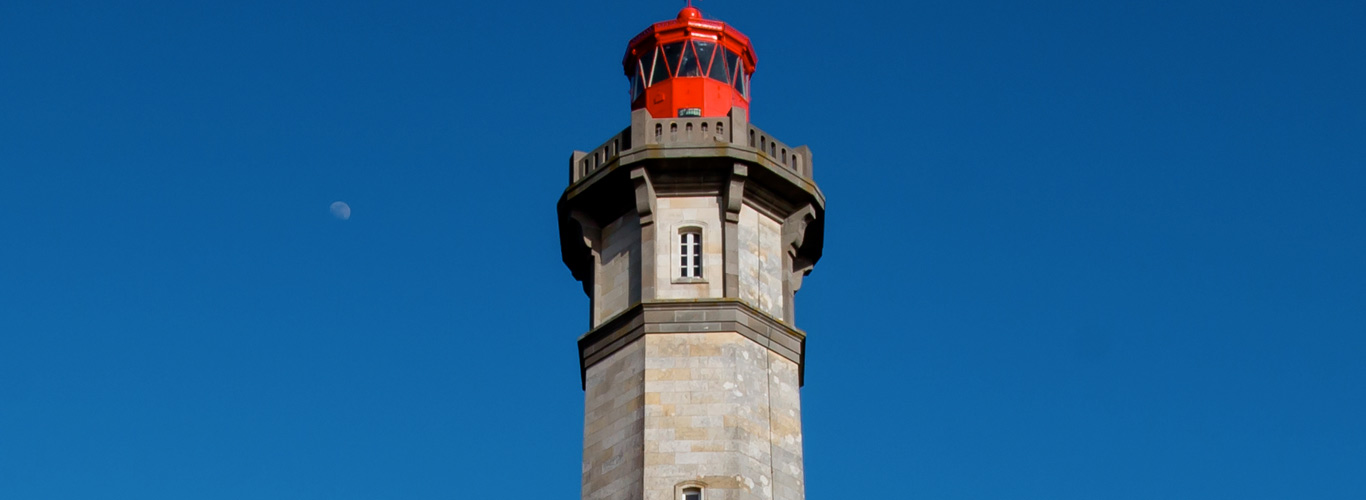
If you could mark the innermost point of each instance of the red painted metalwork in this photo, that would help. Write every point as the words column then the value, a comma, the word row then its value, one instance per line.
column 689, row 66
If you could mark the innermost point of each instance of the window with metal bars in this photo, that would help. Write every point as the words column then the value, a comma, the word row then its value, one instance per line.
column 690, row 254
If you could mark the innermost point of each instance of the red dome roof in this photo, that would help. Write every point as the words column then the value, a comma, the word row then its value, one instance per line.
column 689, row 12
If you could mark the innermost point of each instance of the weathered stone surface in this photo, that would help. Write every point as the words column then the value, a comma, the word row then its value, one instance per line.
column 761, row 258
column 617, row 280
column 633, row 175
column 720, row 411
column 675, row 214
column 789, row 480
column 692, row 381
column 716, row 409
column 613, row 437
column 691, row 316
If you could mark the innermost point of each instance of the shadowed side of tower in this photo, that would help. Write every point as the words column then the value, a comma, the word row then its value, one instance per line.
column 691, row 231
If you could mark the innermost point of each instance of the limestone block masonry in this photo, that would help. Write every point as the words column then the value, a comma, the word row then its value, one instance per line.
column 708, row 408
column 618, row 268
column 723, row 411
column 761, row 259
column 692, row 381
column 677, row 215
column 613, row 432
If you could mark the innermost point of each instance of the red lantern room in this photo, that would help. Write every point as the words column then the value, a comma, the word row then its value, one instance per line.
column 689, row 66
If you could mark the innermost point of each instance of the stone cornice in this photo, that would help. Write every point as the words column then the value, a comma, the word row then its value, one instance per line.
column 651, row 154
column 633, row 179
column 692, row 316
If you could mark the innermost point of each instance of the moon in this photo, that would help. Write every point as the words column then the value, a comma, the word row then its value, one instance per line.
column 341, row 210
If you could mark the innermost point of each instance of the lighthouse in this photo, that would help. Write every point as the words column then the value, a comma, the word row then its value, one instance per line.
column 691, row 231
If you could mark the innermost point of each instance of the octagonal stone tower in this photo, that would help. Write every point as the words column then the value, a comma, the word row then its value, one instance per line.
column 691, row 231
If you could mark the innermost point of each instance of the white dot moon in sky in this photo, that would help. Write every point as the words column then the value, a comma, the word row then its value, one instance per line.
column 341, row 210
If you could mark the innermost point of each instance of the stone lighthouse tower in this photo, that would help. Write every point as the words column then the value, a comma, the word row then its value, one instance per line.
column 691, row 231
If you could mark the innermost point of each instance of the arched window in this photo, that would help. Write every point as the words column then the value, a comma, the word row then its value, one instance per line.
column 692, row 493
column 690, row 253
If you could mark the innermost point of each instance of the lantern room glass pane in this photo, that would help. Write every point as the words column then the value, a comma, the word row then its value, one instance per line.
column 660, row 74
column 638, row 81
column 672, row 53
column 732, row 61
column 689, row 65
column 720, row 71
column 704, row 53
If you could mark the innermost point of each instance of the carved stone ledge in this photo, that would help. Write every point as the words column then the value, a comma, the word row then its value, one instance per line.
column 692, row 316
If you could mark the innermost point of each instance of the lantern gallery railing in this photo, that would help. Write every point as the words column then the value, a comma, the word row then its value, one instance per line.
column 647, row 132
column 582, row 164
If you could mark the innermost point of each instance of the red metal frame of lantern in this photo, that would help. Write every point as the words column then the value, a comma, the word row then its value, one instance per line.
column 689, row 66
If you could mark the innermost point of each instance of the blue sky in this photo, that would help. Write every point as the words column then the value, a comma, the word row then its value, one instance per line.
column 1074, row 250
